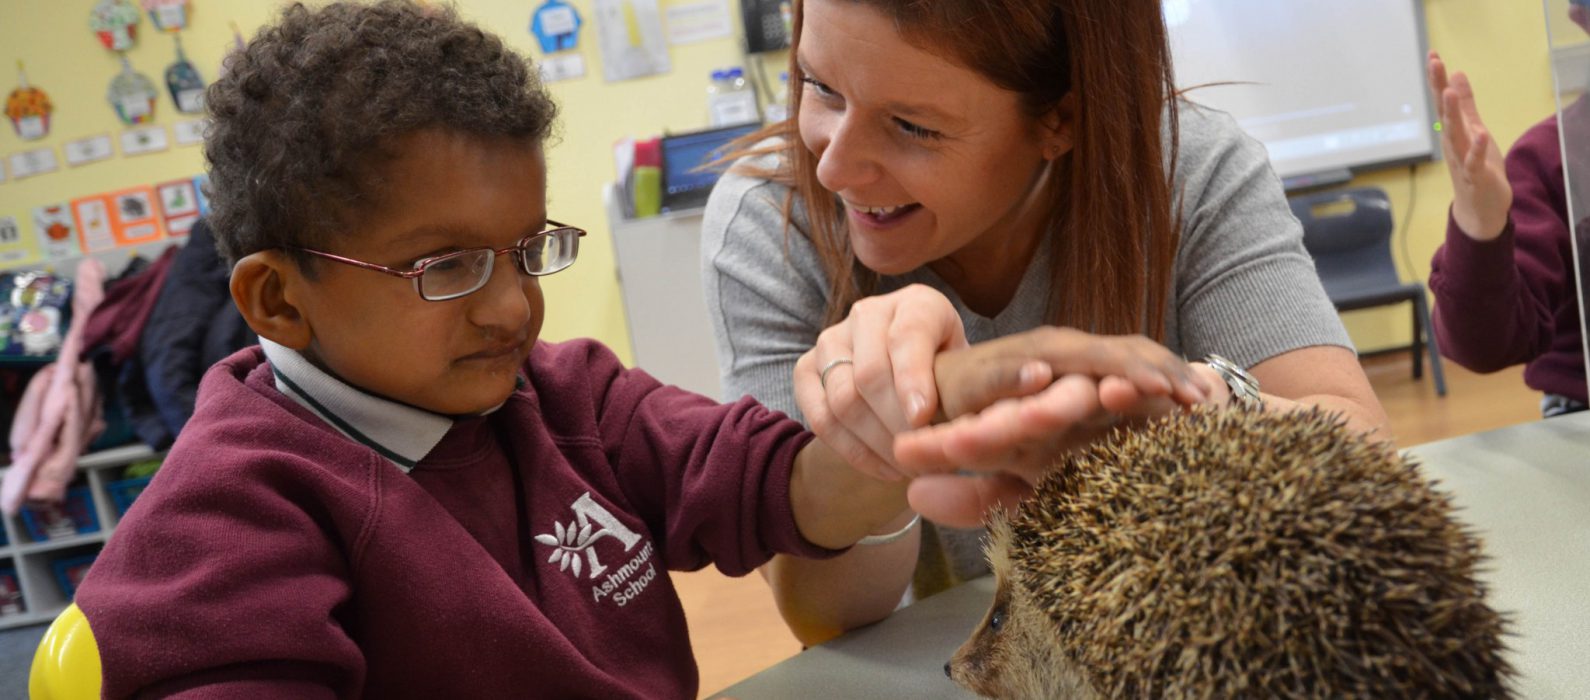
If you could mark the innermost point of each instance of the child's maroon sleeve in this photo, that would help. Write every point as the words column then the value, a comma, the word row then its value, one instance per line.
column 711, row 479
column 220, row 585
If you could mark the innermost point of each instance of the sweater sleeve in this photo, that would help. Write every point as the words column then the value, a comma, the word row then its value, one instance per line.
column 1246, row 287
column 1496, row 301
column 712, row 480
column 222, row 583
column 765, row 290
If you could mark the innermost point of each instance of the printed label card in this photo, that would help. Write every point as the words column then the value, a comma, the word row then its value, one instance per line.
column 179, row 205
column 94, row 223
column 136, row 218
column 89, row 150
column 57, row 232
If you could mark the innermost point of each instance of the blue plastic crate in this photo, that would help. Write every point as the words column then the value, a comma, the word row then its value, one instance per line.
column 124, row 492
column 75, row 516
column 10, row 593
column 69, row 571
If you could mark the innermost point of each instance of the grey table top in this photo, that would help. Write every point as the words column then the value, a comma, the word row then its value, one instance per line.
column 1524, row 489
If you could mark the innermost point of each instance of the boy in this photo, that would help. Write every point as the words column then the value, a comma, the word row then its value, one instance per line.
column 402, row 493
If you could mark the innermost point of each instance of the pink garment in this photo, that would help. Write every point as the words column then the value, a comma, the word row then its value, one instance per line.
column 43, row 466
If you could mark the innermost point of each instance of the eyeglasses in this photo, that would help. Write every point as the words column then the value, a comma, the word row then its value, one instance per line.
column 463, row 272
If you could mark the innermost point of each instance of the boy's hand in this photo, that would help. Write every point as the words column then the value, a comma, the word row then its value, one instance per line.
column 1011, row 437
column 1481, row 194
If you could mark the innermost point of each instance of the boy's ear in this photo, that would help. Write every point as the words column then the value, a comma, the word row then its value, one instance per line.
column 1057, row 127
column 264, row 287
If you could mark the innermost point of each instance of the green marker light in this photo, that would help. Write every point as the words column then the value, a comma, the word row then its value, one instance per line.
column 1437, row 127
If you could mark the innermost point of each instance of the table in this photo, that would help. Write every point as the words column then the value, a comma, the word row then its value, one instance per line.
column 1525, row 490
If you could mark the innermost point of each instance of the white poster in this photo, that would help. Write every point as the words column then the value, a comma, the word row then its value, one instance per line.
column 693, row 22
column 85, row 151
column 630, row 34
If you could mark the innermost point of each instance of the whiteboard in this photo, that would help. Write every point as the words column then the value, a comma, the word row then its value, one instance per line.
column 1326, row 86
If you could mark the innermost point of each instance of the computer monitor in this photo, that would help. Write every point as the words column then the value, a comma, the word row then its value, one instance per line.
column 684, row 184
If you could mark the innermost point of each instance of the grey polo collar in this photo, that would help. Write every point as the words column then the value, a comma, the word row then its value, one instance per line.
column 399, row 432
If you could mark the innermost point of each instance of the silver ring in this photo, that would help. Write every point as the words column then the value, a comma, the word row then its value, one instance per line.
column 822, row 375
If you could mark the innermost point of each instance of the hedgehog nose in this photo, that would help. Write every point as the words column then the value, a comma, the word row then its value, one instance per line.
column 946, row 669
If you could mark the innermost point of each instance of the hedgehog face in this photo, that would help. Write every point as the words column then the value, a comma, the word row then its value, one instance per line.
column 1013, row 652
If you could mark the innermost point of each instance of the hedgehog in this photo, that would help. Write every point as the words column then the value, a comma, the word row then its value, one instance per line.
column 1232, row 553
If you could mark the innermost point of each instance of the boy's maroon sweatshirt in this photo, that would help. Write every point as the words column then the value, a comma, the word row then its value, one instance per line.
column 526, row 556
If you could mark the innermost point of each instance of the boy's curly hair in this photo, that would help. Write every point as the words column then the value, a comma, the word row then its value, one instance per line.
column 303, row 117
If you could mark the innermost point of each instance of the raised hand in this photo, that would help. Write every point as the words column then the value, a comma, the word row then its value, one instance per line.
column 1481, row 195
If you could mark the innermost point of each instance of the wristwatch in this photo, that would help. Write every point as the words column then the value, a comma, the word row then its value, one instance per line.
column 1244, row 388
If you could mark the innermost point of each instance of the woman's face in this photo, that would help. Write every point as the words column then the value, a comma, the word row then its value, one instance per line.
column 929, row 157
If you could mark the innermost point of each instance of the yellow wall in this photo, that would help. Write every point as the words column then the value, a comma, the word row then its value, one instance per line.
column 1502, row 45
column 64, row 59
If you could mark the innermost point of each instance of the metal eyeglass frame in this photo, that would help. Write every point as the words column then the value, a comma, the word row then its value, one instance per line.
column 421, row 266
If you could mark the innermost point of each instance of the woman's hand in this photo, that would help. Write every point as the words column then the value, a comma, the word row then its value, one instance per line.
column 1010, row 440
column 1481, row 195
column 871, row 375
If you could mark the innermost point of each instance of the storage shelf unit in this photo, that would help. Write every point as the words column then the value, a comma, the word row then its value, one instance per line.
column 42, row 597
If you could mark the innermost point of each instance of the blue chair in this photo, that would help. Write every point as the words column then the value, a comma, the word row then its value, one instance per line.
column 1349, row 234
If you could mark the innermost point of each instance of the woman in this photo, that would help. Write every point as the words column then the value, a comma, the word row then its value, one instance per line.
column 970, row 169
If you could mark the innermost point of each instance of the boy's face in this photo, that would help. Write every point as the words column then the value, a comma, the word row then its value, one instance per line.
column 442, row 192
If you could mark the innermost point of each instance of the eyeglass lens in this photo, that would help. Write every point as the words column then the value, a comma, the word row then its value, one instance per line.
column 453, row 276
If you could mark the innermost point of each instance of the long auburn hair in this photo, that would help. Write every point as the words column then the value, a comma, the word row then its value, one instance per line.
column 1112, row 221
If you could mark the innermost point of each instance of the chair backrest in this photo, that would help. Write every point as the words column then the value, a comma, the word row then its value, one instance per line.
column 1348, row 232
column 66, row 666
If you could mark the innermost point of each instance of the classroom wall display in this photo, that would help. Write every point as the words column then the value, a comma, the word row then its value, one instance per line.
column 184, row 83
column 201, row 183
column 115, row 22
column 92, row 215
column 132, row 95
column 56, row 231
column 135, row 216
column 89, row 150
column 13, row 249
column 179, row 206
column 190, row 132
column 149, row 139
column 167, row 15
column 29, row 109
column 35, row 162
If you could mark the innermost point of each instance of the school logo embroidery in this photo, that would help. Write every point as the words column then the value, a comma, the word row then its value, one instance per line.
column 591, row 524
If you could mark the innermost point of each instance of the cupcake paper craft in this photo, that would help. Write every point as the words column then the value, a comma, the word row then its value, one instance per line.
column 115, row 22
column 132, row 95
column 29, row 109
column 185, row 83
column 167, row 15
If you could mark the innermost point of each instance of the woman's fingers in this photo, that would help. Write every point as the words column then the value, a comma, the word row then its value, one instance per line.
column 873, row 370
column 924, row 325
